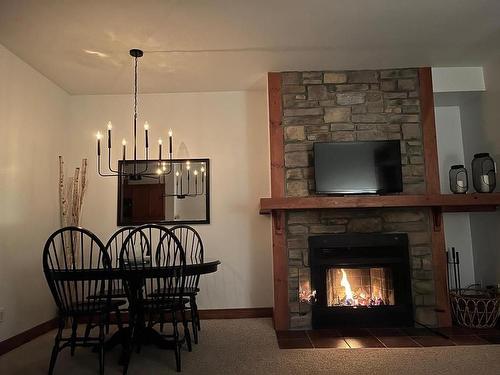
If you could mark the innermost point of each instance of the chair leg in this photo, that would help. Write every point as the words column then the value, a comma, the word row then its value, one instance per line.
column 187, row 334
column 88, row 328
column 74, row 327
column 176, row 342
column 194, row 324
column 129, row 345
column 119, row 318
column 139, row 333
column 55, row 349
column 162, row 321
column 102, row 323
column 108, row 319
column 194, row 306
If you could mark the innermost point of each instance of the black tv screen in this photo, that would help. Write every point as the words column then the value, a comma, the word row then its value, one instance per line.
column 358, row 167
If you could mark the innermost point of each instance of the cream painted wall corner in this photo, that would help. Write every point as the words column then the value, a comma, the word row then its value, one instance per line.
column 34, row 118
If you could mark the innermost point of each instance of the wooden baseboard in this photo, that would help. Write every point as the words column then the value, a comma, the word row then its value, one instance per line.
column 257, row 312
column 27, row 336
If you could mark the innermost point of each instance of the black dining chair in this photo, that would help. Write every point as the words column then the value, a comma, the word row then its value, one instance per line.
column 77, row 269
column 193, row 247
column 113, row 248
column 156, row 259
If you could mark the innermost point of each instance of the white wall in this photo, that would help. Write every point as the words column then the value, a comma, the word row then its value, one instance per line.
column 231, row 129
column 484, row 225
column 32, row 134
column 457, row 227
column 490, row 109
column 458, row 79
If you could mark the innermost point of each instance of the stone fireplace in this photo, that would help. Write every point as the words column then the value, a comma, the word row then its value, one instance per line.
column 354, row 106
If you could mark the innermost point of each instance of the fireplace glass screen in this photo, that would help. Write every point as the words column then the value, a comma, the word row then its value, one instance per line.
column 368, row 287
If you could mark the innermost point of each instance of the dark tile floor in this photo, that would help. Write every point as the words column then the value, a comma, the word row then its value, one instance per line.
column 385, row 338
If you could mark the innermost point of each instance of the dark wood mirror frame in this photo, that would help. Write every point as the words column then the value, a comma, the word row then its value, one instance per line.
column 121, row 222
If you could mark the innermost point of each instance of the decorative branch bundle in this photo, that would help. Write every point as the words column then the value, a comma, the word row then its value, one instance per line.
column 71, row 194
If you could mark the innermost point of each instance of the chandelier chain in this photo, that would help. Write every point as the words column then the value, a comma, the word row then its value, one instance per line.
column 135, row 108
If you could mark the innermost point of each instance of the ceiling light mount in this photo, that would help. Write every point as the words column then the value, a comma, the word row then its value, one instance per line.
column 136, row 52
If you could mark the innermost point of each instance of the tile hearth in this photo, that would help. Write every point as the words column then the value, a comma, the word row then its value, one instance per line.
column 354, row 338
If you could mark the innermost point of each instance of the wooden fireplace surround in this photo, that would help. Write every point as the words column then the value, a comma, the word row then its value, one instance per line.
column 439, row 203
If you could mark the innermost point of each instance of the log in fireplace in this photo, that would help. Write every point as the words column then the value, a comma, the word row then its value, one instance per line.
column 360, row 280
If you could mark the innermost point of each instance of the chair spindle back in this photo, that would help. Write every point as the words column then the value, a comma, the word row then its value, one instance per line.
column 77, row 270
column 193, row 247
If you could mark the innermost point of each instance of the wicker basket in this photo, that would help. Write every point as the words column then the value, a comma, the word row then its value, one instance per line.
column 475, row 308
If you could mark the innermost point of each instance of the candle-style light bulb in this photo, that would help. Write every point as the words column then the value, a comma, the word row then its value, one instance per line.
column 146, row 130
column 98, row 136
column 160, row 142
column 177, row 182
column 170, row 142
column 110, row 126
column 124, row 147
column 195, row 181
column 159, row 171
column 202, row 169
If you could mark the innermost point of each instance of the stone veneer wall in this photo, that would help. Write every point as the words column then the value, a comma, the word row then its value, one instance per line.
column 354, row 106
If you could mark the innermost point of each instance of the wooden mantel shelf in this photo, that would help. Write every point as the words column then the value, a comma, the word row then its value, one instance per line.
column 443, row 202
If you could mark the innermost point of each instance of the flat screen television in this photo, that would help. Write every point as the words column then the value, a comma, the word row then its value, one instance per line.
column 372, row 167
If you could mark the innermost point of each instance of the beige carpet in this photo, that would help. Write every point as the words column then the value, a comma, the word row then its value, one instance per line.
column 249, row 346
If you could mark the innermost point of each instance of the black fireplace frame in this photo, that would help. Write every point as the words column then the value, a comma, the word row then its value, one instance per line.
column 361, row 251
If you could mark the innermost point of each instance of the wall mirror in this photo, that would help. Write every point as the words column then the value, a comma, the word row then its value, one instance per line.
column 174, row 192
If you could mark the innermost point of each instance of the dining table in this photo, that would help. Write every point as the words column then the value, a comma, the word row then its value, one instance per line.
column 134, row 275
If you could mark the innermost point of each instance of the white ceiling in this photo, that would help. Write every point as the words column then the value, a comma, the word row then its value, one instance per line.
column 231, row 44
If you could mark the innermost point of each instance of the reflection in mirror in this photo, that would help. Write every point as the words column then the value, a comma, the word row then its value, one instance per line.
column 176, row 192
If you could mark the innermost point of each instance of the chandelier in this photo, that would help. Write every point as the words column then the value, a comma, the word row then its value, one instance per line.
column 138, row 172
column 186, row 182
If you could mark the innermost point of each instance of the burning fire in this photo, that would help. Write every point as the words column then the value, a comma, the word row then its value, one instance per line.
column 349, row 296
column 306, row 295
column 370, row 295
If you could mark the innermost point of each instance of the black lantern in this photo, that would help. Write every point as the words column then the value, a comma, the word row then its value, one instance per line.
column 459, row 182
column 483, row 173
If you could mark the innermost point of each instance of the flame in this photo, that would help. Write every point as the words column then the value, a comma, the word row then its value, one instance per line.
column 305, row 293
column 345, row 283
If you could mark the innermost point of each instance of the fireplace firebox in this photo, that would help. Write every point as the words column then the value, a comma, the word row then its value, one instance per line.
column 360, row 280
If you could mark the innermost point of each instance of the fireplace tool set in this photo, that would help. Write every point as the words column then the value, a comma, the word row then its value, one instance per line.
column 472, row 307
column 453, row 262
